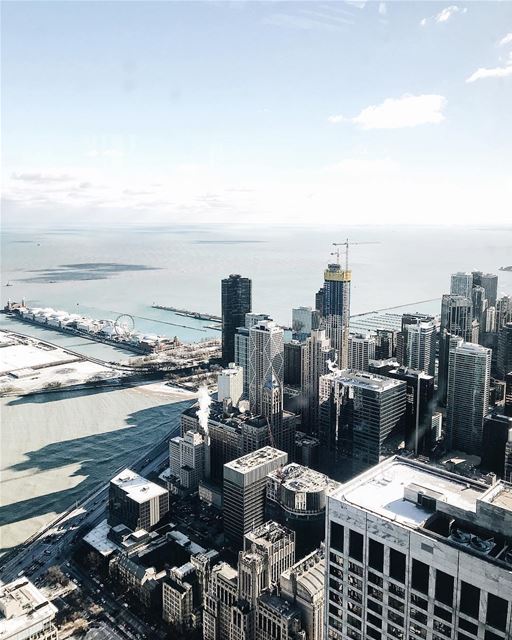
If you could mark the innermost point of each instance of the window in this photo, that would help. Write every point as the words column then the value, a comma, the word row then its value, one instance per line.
column 376, row 555
column 469, row 599
column 444, row 588
column 396, row 604
column 377, row 622
column 489, row 635
column 337, row 532
column 497, row 611
column 374, row 606
column 373, row 633
column 420, row 575
column 442, row 613
column 355, row 545
column 397, row 565
column 375, row 579
column 419, row 602
column 468, row 626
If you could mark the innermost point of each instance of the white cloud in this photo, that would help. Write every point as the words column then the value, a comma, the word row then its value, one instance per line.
column 406, row 111
column 496, row 72
column 382, row 8
column 505, row 40
column 325, row 18
column 444, row 15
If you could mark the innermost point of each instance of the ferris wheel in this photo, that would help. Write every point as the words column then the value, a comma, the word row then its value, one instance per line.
column 124, row 325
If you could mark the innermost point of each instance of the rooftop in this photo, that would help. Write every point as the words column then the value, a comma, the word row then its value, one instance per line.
column 136, row 487
column 308, row 572
column 382, row 490
column 270, row 532
column 296, row 477
column 371, row 381
column 22, row 606
column 247, row 463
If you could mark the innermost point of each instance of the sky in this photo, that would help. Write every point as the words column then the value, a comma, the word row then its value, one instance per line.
column 121, row 113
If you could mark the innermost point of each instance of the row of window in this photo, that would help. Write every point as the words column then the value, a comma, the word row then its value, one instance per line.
column 420, row 578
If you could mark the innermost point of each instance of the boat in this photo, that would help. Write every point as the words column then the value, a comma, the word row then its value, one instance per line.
column 8, row 284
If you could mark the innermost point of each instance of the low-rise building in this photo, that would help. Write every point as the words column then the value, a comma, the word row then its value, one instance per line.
column 25, row 613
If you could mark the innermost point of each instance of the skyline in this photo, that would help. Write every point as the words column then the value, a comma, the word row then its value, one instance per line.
column 168, row 113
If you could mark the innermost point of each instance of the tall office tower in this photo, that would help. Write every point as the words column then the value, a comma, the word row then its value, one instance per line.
column 419, row 407
column 272, row 403
column 469, row 374
column 242, row 345
column 236, row 302
column 416, row 342
column 303, row 585
column 302, row 319
column 317, row 352
column 186, row 459
column 507, row 409
column 503, row 311
column 275, row 543
column 504, row 357
column 479, row 303
column 230, row 384
column 266, row 360
column 361, row 349
column 136, row 502
column 489, row 325
column 417, row 552
column 360, row 413
column 455, row 321
column 337, row 309
column 489, row 281
column 461, row 284
column 245, row 481
column 385, row 344
column 508, row 462
column 293, row 362
column 497, row 433
column 26, row 613
column 319, row 300
column 296, row 497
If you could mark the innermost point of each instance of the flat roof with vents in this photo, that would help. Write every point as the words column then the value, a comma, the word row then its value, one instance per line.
column 136, row 487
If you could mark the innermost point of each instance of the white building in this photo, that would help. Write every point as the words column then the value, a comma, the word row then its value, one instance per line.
column 186, row 459
column 266, row 360
column 25, row 613
column 416, row 552
column 361, row 349
column 230, row 384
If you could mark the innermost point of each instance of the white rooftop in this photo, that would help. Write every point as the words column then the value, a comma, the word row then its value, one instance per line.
column 136, row 487
column 23, row 607
column 296, row 477
column 364, row 379
column 382, row 491
column 97, row 539
column 247, row 463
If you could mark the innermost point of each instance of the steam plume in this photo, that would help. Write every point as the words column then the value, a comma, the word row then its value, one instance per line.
column 203, row 413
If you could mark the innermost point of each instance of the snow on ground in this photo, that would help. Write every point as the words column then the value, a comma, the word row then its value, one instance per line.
column 22, row 356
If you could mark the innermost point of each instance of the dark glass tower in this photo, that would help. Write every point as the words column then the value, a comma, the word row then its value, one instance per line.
column 236, row 302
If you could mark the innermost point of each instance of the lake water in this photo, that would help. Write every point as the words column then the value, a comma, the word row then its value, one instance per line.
column 58, row 446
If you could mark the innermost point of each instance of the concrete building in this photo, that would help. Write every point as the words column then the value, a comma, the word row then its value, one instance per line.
column 385, row 343
column 277, row 618
column 244, row 491
column 233, row 433
column 187, row 459
column 236, row 302
column 25, row 613
column 419, row 351
column 266, row 361
column 461, row 284
column 336, row 310
column 181, row 597
column 230, row 384
column 219, row 601
column 361, row 349
column 417, row 552
column 303, row 586
column 296, row 497
column 136, row 502
column 469, row 374
column 317, row 353
column 276, row 544
column 242, row 345
column 360, row 414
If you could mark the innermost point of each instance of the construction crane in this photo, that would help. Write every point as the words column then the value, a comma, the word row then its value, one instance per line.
column 346, row 244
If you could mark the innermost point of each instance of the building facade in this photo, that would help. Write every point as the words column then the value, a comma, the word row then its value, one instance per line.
column 236, row 302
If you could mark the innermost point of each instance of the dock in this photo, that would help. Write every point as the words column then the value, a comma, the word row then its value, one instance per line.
column 189, row 314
